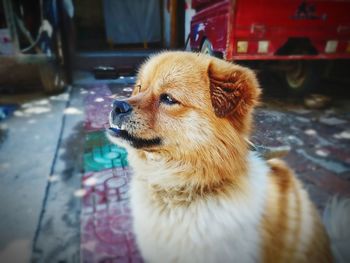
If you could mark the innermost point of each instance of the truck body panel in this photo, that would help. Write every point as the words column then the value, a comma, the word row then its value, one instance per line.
column 274, row 29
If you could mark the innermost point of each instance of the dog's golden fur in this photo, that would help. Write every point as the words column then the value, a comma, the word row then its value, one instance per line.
column 203, row 170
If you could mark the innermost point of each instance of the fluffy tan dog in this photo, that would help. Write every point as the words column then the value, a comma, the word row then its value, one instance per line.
column 198, row 194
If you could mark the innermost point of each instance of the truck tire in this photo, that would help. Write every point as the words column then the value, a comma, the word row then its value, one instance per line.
column 52, row 78
column 301, row 77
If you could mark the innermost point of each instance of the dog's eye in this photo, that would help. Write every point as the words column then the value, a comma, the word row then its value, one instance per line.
column 167, row 99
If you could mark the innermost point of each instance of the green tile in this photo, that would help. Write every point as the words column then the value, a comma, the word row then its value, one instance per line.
column 100, row 154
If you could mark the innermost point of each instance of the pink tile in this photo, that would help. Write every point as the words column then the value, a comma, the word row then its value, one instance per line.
column 106, row 225
column 97, row 107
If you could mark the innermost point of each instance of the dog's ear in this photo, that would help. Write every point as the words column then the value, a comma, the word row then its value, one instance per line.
column 234, row 89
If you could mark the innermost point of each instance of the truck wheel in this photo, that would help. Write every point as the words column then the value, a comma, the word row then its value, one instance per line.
column 52, row 77
column 302, row 76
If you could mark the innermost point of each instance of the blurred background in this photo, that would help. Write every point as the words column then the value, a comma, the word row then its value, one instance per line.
column 63, row 186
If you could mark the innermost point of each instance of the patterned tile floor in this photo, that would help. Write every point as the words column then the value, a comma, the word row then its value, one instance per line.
column 105, row 218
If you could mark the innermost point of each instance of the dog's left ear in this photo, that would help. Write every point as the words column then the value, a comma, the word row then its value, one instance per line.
column 234, row 90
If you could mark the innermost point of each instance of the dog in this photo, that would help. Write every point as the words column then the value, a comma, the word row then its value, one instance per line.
column 198, row 194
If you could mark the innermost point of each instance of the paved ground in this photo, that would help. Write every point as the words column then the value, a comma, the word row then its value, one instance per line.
column 28, row 146
column 319, row 141
column 63, row 187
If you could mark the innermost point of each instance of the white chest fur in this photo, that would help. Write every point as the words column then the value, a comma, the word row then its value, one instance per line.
column 214, row 229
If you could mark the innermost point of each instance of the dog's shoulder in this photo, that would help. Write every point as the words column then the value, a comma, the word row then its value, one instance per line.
column 291, row 227
column 281, row 175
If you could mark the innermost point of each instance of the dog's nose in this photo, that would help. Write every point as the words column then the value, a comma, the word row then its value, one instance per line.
column 120, row 107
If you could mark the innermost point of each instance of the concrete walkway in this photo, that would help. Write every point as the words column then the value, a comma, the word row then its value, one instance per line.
column 27, row 150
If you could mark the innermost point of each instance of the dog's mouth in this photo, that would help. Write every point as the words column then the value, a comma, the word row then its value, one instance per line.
column 134, row 141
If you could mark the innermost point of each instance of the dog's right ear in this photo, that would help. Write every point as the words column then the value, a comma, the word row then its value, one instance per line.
column 233, row 89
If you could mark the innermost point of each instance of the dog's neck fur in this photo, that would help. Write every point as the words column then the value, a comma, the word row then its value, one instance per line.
column 185, row 195
column 216, row 173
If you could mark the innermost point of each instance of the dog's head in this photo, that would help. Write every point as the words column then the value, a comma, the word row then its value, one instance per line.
column 185, row 102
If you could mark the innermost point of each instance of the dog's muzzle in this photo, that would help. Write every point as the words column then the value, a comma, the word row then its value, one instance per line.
column 118, row 119
column 119, row 115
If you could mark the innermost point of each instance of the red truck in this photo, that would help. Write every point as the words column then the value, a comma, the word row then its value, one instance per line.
column 288, row 34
